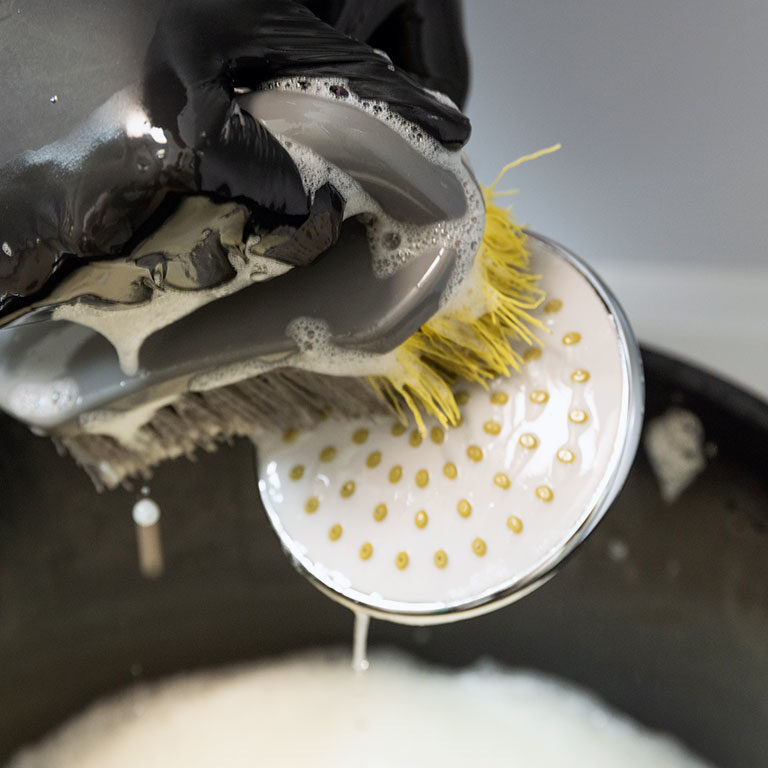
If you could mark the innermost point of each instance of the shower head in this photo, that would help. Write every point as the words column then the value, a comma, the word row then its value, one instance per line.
column 432, row 527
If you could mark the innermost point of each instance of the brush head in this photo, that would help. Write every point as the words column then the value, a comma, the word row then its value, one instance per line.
column 125, row 361
column 431, row 525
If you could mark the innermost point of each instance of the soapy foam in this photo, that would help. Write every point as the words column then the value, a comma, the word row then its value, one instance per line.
column 675, row 446
column 462, row 235
column 34, row 400
column 124, row 426
column 166, row 307
column 313, row 710
column 314, row 352
column 319, row 354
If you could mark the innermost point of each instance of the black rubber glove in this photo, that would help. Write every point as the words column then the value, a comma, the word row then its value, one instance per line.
column 108, row 106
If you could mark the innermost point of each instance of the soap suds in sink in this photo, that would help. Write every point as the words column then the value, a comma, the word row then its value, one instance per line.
column 313, row 710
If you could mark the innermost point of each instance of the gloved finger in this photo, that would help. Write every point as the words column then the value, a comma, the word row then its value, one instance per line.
column 186, row 89
column 423, row 37
column 271, row 39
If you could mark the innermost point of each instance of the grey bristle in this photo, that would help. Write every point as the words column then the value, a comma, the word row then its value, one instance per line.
column 277, row 400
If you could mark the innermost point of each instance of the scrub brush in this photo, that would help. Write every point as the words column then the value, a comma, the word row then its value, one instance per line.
column 427, row 282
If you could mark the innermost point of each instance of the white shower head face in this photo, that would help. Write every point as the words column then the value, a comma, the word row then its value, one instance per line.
column 435, row 527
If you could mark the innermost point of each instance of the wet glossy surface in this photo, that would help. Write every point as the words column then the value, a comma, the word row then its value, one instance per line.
column 194, row 304
column 387, row 517
column 83, row 182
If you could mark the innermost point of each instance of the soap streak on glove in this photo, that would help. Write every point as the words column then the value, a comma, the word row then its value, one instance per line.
column 95, row 183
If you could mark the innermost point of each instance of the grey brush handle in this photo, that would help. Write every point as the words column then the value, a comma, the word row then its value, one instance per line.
column 52, row 372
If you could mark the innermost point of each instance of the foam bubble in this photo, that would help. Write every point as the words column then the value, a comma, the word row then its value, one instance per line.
column 318, row 353
column 35, row 401
column 461, row 235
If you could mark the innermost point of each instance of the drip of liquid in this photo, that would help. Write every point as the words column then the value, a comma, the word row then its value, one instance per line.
column 360, row 642
column 146, row 517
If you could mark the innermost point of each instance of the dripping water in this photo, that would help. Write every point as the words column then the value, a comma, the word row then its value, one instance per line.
column 360, row 642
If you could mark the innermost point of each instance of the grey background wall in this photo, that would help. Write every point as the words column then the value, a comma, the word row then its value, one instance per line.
column 662, row 182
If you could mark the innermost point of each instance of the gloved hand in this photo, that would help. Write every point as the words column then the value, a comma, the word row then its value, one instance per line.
column 112, row 110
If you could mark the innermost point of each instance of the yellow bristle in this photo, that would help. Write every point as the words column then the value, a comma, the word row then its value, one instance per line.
column 461, row 345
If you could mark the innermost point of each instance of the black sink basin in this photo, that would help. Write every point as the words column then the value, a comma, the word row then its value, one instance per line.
column 663, row 611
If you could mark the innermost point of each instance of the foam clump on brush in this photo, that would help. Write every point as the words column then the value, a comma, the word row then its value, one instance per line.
column 411, row 522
